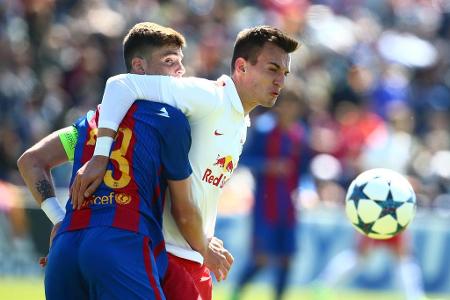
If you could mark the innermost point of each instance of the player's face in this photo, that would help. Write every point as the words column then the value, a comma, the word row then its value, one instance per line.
column 166, row 60
column 266, row 78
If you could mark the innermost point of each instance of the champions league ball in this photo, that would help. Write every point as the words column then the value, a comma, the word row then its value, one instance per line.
column 380, row 203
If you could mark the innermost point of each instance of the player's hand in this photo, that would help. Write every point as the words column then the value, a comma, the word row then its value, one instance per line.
column 87, row 180
column 218, row 259
column 43, row 261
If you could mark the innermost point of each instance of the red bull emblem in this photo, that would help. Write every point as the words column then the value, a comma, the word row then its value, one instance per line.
column 225, row 162
column 220, row 161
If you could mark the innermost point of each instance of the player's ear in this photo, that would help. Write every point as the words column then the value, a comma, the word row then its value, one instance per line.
column 240, row 65
column 138, row 65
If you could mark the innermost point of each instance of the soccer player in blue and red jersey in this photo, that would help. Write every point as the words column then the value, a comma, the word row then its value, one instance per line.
column 113, row 247
column 109, row 248
column 276, row 153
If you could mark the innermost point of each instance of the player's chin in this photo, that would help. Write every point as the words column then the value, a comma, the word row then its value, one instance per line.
column 270, row 102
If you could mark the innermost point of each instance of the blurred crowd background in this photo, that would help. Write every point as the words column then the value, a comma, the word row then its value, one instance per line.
column 372, row 78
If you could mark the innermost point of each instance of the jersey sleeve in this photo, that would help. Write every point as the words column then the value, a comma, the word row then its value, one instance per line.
column 195, row 97
column 175, row 147
column 68, row 137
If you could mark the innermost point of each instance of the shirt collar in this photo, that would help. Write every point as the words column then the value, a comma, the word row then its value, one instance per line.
column 230, row 89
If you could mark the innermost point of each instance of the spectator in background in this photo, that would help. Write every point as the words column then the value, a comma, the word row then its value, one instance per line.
column 277, row 154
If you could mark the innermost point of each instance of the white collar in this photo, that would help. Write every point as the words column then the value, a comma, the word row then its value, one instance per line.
column 230, row 88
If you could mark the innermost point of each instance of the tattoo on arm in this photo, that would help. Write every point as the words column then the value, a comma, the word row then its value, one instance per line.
column 45, row 189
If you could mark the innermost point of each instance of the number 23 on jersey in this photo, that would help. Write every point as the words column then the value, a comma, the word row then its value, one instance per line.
column 119, row 156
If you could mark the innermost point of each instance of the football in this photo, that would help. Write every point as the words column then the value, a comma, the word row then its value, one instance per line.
column 380, row 203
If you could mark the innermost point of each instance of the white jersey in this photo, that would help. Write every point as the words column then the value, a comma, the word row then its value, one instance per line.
column 218, row 129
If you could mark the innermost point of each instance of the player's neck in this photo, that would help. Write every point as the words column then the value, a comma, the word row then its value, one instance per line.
column 247, row 103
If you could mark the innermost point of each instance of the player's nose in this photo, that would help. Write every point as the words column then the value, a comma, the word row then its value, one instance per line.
column 279, row 80
column 181, row 70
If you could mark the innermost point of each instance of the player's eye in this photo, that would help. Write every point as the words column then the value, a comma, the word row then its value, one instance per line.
column 169, row 61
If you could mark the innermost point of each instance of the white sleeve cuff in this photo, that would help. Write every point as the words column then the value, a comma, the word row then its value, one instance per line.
column 53, row 210
column 103, row 146
column 108, row 124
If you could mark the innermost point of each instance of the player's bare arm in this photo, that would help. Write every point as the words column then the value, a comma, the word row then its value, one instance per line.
column 35, row 165
column 188, row 219
column 36, row 162
column 187, row 215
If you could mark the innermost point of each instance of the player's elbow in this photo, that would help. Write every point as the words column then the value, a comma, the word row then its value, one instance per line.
column 28, row 160
column 178, row 215
column 183, row 214
column 23, row 161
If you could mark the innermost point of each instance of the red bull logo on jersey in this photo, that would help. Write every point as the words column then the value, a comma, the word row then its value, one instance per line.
column 225, row 162
column 221, row 171
column 119, row 198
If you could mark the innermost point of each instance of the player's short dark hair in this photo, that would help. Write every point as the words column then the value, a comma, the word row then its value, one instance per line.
column 145, row 36
column 250, row 42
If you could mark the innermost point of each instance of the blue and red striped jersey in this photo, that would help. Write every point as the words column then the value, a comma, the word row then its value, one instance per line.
column 267, row 144
column 151, row 146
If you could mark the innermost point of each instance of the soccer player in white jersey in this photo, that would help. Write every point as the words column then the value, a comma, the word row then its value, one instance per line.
column 218, row 114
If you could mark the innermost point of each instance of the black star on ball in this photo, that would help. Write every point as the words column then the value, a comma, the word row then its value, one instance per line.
column 358, row 194
column 400, row 228
column 389, row 206
column 365, row 227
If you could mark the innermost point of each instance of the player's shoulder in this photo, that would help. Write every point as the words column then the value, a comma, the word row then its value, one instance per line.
column 172, row 122
column 205, row 84
column 166, row 115
column 171, row 112
column 150, row 106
